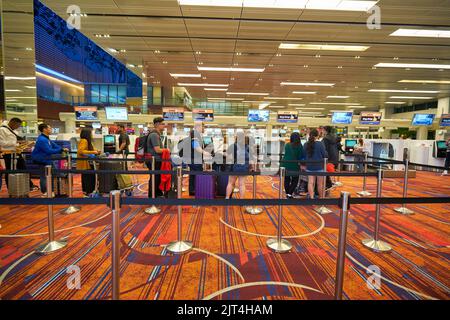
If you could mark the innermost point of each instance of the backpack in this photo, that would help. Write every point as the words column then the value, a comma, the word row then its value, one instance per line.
column 141, row 148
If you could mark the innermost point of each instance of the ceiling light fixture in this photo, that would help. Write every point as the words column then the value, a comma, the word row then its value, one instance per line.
column 336, row 5
column 19, row 78
column 227, row 99
column 317, row 84
column 413, row 65
column 421, row 33
column 282, row 98
column 231, row 69
column 338, row 97
column 403, row 97
column 403, row 91
column 392, row 102
column 304, row 92
column 248, row 93
column 202, row 85
column 336, row 103
column 426, row 81
column 185, row 75
column 215, row 89
column 325, row 47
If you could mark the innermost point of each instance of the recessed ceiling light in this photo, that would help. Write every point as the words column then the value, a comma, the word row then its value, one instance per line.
column 112, row 50
column 310, row 108
column 403, row 97
column 296, row 104
column 185, row 75
column 271, row 65
column 338, row 97
column 29, row 49
column 19, row 78
column 201, row 85
column 413, row 65
column 340, row 67
column 157, row 51
column 215, row 89
column 305, row 66
column 13, row 90
column 357, row 57
column 231, row 69
column 335, row 103
column 421, row 33
column 282, row 98
column 248, row 93
column 304, row 92
column 404, row 91
column 278, row 55
column 341, row 5
column 392, row 102
column 165, row 62
column 327, row 47
column 30, row 87
column 227, row 99
column 307, row 84
column 198, row 52
column 427, row 81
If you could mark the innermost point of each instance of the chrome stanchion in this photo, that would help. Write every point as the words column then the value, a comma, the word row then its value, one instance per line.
column 52, row 245
column 153, row 209
column 342, row 246
column 323, row 209
column 279, row 244
column 338, row 183
column 374, row 243
column 364, row 192
column 71, row 209
column 114, row 200
column 179, row 246
column 254, row 210
column 403, row 209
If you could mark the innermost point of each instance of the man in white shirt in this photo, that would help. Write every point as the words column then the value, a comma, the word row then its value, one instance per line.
column 9, row 141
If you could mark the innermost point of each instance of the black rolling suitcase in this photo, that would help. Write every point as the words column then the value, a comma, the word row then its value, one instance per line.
column 107, row 181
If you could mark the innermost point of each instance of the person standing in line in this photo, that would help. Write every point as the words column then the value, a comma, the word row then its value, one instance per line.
column 154, row 147
column 358, row 152
column 9, row 141
column 447, row 158
column 329, row 141
column 124, row 140
column 86, row 150
column 43, row 151
column 239, row 152
column 293, row 151
column 315, row 151
column 197, row 153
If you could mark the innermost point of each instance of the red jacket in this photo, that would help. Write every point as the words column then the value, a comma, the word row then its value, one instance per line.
column 166, row 179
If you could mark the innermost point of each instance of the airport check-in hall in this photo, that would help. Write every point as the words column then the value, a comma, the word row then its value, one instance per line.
column 225, row 150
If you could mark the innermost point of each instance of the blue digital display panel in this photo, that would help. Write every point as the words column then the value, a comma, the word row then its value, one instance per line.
column 71, row 53
column 342, row 118
column 445, row 120
column 258, row 115
column 423, row 119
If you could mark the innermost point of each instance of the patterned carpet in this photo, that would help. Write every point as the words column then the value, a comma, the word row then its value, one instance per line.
column 230, row 259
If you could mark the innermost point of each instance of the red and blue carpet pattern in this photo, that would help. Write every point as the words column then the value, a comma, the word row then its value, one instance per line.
column 230, row 259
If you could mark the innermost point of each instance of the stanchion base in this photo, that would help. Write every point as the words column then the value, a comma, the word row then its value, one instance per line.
column 377, row 245
column 404, row 210
column 254, row 210
column 279, row 247
column 70, row 210
column 178, row 247
column 152, row 210
column 51, row 246
column 236, row 190
column 323, row 210
column 364, row 193
column 338, row 184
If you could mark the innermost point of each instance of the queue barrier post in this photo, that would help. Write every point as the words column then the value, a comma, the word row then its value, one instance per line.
column 71, row 209
column 364, row 192
column 403, row 209
column 114, row 200
column 279, row 244
column 153, row 209
column 254, row 210
column 338, row 183
column 323, row 209
column 342, row 246
column 52, row 245
column 375, row 243
column 179, row 246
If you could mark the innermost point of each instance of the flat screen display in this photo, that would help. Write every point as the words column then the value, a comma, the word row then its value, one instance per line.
column 342, row 117
column 442, row 144
column 173, row 114
column 423, row 119
column 109, row 139
column 287, row 117
column 258, row 115
column 350, row 143
column 116, row 113
column 86, row 113
column 207, row 141
column 370, row 118
column 445, row 120
column 96, row 125
column 204, row 115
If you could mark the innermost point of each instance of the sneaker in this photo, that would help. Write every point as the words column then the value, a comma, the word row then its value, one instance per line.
column 289, row 196
column 44, row 195
column 444, row 173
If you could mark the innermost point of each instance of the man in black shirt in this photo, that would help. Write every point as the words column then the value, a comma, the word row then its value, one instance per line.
column 124, row 140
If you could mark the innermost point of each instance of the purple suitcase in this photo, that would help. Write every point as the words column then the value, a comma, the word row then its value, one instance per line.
column 205, row 187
